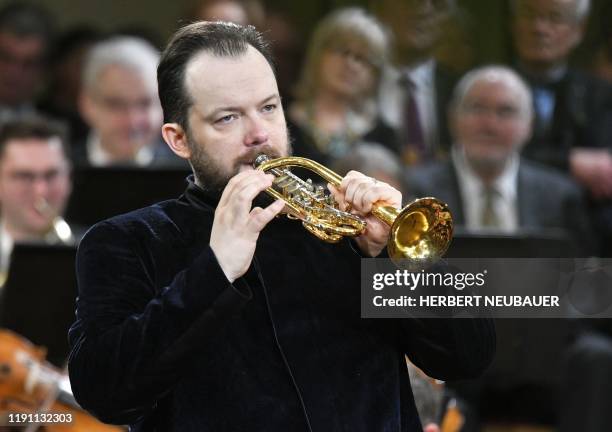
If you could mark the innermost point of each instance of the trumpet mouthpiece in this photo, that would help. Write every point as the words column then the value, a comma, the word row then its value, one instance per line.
column 260, row 159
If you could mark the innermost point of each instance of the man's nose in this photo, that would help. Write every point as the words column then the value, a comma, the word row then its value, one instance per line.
column 540, row 26
column 40, row 186
column 256, row 131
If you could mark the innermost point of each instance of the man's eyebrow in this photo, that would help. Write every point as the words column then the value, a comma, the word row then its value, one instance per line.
column 269, row 98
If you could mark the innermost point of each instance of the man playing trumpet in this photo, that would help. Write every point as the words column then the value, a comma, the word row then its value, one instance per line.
column 206, row 313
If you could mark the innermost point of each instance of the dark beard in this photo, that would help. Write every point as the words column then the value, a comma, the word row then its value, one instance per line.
column 210, row 177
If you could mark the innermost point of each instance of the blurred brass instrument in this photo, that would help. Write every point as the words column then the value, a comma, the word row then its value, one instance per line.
column 420, row 232
column 60, row 230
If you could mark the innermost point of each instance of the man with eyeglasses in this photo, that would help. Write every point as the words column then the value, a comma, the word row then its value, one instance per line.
column 34, row 184
column 492, row 190
column 486, row 184
column 119, row 102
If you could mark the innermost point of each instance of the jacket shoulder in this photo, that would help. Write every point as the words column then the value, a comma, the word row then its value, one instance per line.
column 548, row 178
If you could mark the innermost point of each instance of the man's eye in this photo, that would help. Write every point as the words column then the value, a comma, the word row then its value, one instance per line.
column 269, row 108
column 226, row 119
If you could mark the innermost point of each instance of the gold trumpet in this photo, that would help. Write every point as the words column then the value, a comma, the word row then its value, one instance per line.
column 421, row 231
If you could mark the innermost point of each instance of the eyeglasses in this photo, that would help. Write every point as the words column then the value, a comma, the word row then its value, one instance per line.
column 122, row 105
column 25, row 178
column 348, row 53
column 555, row 18
column 503, row 112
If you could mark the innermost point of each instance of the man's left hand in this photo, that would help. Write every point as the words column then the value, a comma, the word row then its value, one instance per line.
column 361, row 192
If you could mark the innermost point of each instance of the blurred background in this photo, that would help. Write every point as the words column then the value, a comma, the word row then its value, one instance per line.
column 402, row 90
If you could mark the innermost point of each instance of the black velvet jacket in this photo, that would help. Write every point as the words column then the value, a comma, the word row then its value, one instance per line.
column 164, row 342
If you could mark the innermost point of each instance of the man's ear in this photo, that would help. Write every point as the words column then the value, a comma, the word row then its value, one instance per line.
column 176, row 138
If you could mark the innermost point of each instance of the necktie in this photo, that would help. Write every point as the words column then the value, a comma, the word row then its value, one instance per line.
column 489, row 217
column 414, row 138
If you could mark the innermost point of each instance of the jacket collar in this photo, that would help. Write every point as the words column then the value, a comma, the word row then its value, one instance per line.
column 199, row 198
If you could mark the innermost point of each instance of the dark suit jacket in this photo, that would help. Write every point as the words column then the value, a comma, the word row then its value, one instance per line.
column 581, row 119
column 445, row 81
column 546, row 198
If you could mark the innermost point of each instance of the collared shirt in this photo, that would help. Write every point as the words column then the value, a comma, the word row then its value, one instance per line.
column 472, row 191
column 422, row 79
column 544, row 97
column 394, row 99
column 97, row 156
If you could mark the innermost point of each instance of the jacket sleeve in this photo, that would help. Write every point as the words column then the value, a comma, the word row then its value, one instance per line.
column 130, row 343
column 449, row 348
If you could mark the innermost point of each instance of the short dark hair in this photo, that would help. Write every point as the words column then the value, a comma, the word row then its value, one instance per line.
column 32, row 127
column 26, row 19
column 222, row 39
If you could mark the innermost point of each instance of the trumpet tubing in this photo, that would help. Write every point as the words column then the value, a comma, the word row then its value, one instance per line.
column 420, row 232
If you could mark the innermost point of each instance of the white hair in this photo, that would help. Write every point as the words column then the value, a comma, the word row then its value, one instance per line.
column 583, row 7
column 498, row 74
column 125, row 51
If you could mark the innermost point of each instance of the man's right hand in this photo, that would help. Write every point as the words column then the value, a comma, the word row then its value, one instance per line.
column 236, row 227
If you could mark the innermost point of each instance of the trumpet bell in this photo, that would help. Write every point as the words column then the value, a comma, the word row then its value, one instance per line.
column 421, row 232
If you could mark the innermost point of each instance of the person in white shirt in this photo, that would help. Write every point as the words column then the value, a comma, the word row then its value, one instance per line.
column 34, row 185
column 416, row 89
column 119, row 102
column 487, row 185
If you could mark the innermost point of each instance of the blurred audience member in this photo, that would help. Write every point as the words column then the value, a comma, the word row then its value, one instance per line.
column 336, row 97
column 373, row 160
column 456, row 52
column 34, row 185
column 25, row 37
column 569, row 105
column 491, row 189
column 416, row 91
column 119, row 102
column 64, row 82
column 241, row 12
column 487, row 185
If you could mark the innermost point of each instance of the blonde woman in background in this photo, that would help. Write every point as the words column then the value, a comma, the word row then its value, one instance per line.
column 336, row 96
